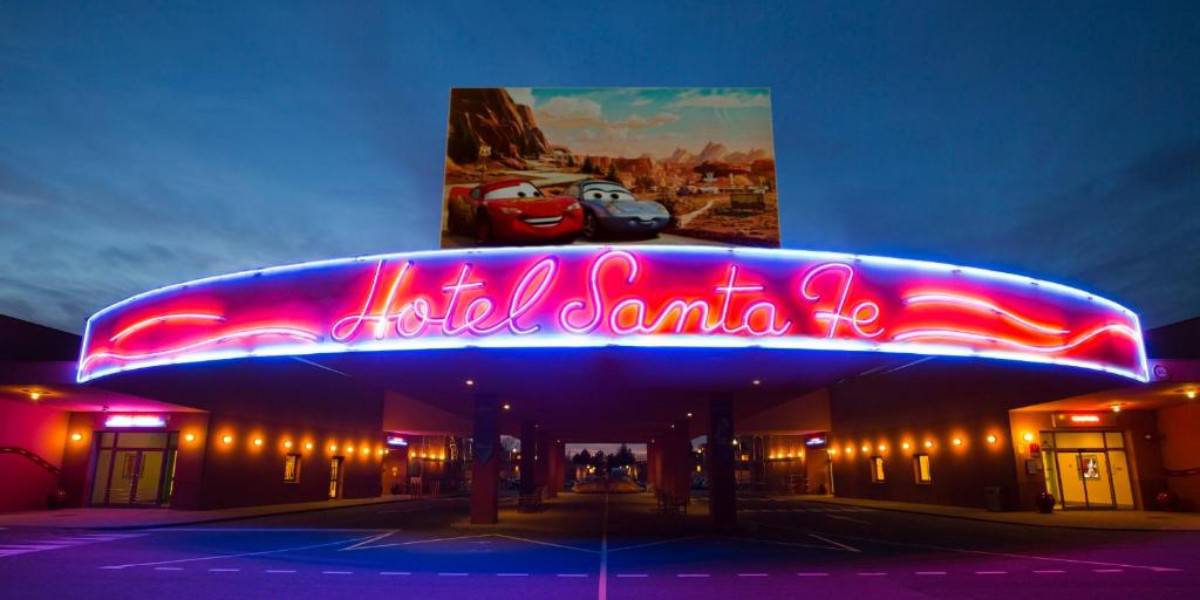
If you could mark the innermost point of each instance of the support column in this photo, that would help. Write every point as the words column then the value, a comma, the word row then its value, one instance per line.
column 541, row 473
column 485, row 461
column 681, row 447
column 554, row 468
column 652, row 463
column 722, row 491
column 528, row 452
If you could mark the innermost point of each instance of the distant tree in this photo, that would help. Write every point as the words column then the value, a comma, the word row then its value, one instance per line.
column 623, row 457
column 588, row 166
column 611, row 175
column 599, row 459
column 571, row 160
column 583, row 458
column 644, row 183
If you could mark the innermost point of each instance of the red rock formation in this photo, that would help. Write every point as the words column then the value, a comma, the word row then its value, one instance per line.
column 488, row 116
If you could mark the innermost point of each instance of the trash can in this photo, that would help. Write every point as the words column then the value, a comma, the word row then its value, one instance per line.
column 993, row 498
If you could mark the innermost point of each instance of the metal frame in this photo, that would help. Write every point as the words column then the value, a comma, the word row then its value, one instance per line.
column 1105, row 449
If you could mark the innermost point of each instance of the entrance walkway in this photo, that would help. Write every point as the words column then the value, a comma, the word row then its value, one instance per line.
column 134, row 518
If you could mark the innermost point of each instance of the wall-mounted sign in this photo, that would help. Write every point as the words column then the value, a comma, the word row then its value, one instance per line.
column 815, row 442
column 1077, row 419
column 395, row 440
column 148, row 421
column 579, row 296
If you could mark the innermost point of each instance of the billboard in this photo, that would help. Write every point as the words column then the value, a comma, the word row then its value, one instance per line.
column 532, row 166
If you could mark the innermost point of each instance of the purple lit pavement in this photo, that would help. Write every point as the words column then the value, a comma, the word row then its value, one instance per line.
column 599, row 547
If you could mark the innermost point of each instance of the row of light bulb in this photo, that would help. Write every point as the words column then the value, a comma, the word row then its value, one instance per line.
column 956, row 441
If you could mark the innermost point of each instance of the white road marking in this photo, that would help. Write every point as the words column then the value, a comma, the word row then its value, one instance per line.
column 838, row 544
column 369, row 540
column 1075, row 561
column 930, row 573
column 1108, row 570
column 1165, row 569
column 452, row 574
column 572, row 575
column 512, row 574
column 692, row 575
column 224, row 570
column 220, row 556
column 631, row 575
column 337, row 572
column 541, row 543
column 841, row 518
column 752, row 575
column 871, row 574
column 991, row 572
column 658, row 543
column 813, row 574
column 395, row 573
column 1049, row 572
column 60, row 542
column 168, row 568
column 274, row 571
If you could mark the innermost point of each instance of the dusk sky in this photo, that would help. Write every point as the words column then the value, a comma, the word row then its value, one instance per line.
column 144, row 147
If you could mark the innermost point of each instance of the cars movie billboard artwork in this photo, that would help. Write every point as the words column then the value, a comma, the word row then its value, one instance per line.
column 530, row 166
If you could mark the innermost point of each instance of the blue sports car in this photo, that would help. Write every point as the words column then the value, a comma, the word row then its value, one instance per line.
column 610, row 208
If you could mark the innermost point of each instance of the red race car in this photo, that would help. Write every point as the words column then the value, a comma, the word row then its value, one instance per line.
column 513, row 210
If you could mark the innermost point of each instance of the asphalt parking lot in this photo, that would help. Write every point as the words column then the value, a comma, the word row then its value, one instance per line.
column 596, row 546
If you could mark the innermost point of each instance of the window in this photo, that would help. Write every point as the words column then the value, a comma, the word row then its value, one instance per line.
column 291, row 468
column 877, row 474
column 921, row 469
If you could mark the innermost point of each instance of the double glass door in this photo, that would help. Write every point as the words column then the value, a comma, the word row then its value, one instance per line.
column 1088, row 470
column 133, row 469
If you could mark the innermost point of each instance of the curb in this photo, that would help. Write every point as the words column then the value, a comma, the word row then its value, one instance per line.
column 928, row 513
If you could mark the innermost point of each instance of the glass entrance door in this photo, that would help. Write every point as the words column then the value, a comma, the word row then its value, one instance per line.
column 1088, row 470
column 133, row 469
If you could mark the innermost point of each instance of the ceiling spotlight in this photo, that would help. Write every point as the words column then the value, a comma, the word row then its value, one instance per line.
column 1191, row 394
column 991, row 439
column 757, row 382
column 507, row 406
column 470, row 382
column 35, row 396
column 689, row 415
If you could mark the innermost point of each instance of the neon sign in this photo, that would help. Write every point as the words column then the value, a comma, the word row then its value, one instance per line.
column 135, row 421
column 599, row 296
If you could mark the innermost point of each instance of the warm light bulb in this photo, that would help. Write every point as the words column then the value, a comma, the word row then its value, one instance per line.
column 333, row 447
column 883, row 447
column 866, row 448
column 35, row 396
column 1028, row 437
column 991, row 439
column 905, row 445
column 350, row 449
column 258, row 441
column 227, row 439
column 76, row 436
column 189, row 437
column 1191, row 394
column 1116, row 408
column 928, row 444
column 957, row 441
column 308, row 446
column 287, row 444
